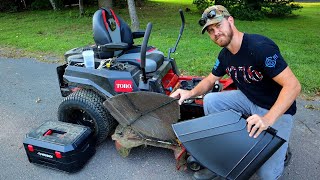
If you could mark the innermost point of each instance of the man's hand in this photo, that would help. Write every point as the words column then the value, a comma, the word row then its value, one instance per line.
column 203, row 87
column 256, row 124
column 181, row 94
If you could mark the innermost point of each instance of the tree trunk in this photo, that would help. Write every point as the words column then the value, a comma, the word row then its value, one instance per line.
column 54, row 5
column 105, row 3
column 24, row 4
column 135, row 25
column 81, row 7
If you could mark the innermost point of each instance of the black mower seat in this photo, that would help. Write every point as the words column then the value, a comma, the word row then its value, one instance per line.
column 154, row 58
column 109, row 30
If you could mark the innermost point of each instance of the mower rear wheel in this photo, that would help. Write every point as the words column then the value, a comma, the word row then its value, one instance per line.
column 85, row 107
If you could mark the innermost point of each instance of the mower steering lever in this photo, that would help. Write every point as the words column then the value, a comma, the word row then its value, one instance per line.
column 173, row 49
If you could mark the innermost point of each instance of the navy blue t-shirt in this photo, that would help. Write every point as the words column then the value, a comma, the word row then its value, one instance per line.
column 252, row 69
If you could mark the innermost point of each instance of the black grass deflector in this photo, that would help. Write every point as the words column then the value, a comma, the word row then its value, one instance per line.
column 221, row 143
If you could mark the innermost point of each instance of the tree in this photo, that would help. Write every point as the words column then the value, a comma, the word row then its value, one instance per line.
column 81, row 7
column 105, row 3
column 135, row 25
column 24, row 3
column 54, row 5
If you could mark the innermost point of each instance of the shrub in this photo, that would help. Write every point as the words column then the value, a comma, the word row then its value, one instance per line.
column 245, row 13
column 280, row 8
column 9, row 5
column 202, row 4
column 252, row 9
column 40, row 4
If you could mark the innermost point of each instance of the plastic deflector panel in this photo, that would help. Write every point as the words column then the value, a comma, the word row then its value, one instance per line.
column 221, row 143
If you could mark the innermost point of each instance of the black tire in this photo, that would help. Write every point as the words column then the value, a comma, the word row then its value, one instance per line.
column 193, row 164
column 85, row 107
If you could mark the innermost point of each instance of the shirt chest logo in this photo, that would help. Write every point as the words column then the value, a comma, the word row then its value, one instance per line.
column 248, row 74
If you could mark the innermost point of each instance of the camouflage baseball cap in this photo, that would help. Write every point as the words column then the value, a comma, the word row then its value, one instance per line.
column 212, row 15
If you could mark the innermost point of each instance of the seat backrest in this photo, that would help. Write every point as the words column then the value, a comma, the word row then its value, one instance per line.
column 110, row 28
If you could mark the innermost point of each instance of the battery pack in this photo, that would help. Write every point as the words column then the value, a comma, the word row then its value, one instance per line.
column 60, row 145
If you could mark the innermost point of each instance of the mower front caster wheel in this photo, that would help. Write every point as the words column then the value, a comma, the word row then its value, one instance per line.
column 193, row 164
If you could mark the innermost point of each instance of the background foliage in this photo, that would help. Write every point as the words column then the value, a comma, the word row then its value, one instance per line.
column 252, row 9
column 45, row 34
column 22, row 5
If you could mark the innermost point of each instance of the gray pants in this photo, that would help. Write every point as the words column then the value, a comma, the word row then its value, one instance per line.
column 236, row 100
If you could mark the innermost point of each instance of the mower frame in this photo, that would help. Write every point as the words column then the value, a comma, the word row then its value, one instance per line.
column 73, row 77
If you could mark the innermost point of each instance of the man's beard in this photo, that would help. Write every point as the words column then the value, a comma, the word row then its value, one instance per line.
column 227, row 38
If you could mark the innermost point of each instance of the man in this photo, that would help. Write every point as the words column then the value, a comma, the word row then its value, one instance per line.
column 267, row 88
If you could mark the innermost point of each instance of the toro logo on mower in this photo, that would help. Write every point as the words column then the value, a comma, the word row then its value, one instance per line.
column 123, row 86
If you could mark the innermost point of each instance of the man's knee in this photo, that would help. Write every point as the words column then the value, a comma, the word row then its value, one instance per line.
column 273, row 168
column 211, row 103
column 211, row 98
column 219, row 101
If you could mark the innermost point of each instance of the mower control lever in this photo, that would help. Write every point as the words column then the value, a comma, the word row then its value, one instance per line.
column 143, row 52
column 173, row 49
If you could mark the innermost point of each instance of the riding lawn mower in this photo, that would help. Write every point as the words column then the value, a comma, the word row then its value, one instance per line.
column 126, row 94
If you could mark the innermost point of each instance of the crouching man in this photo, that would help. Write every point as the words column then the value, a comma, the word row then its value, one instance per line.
column 267, row 88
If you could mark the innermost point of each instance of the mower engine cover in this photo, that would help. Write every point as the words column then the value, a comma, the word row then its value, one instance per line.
column 221, row 143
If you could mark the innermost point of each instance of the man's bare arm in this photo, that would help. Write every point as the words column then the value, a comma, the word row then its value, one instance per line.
column 203, row 87
column 289, row 92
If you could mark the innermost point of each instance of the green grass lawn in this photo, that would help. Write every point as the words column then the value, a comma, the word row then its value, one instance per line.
column 47, row 32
